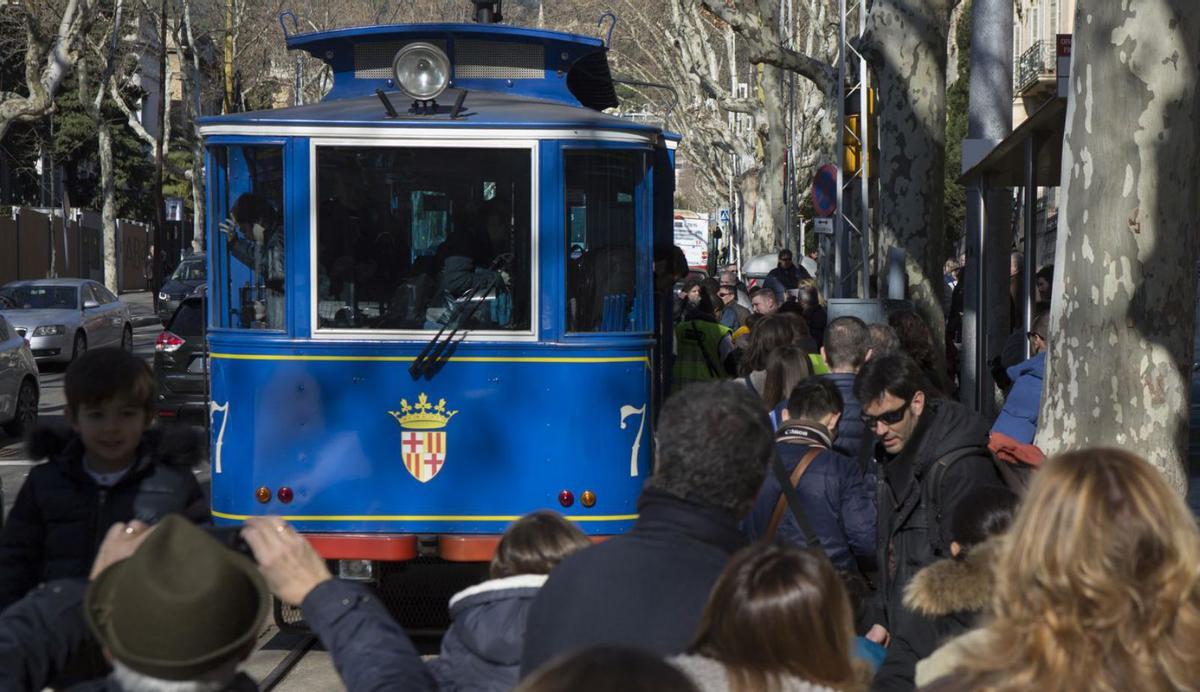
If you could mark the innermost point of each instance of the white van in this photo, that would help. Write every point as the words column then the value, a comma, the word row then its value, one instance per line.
column 691, row 235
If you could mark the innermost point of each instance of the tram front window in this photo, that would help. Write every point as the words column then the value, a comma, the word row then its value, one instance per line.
column 417, row 238
column 601, row 220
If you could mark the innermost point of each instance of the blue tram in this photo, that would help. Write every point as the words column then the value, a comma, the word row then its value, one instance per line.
column 431, row 295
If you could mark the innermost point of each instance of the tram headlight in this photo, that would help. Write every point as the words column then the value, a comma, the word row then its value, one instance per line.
column 422, row 71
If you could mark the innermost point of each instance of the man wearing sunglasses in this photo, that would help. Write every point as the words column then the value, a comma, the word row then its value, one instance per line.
column 932, row 453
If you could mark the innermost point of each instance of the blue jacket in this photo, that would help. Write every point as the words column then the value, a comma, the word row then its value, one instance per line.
column 482, row 648
column 850, row 429
column 1018, row 419
column 837, row 501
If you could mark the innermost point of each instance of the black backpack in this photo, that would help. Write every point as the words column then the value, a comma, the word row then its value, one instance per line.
column 1015, row 476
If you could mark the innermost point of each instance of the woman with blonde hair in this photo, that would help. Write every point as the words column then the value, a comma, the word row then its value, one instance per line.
column 778, row 620
column 1097, row 586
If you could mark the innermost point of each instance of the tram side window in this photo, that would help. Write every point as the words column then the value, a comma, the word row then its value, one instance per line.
column 601, row 220
column 418, row 238
column 250, row 261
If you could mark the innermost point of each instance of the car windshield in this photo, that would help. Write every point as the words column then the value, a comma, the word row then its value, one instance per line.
column 189, row 271
column 43, row 297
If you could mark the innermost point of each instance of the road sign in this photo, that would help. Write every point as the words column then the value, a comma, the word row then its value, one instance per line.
column 824, row 190
column 824, row 225
column 724, row 216
column 1063, row 66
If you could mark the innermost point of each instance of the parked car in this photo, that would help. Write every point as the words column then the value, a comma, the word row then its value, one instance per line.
column 186, row 280
column 180, row 364
column 62, row 318
column 19, row 391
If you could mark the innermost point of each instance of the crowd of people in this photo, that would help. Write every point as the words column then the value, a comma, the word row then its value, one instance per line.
column 821, row 515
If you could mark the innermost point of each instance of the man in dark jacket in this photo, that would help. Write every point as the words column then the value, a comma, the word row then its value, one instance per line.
column 934, row 453
column 217, row 595
column 647, row 588
column 847, row 347
column 836, row 500
column 788, row 273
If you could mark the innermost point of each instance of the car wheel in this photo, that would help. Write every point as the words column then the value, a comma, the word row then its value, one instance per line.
column 127, row 338
column 80, row 345
column 27, row 411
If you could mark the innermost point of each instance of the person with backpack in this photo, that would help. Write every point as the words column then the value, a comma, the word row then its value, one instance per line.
column 933, row 454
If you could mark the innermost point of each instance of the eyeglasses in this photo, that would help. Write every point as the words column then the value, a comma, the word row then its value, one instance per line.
column 888, row 418
column 723, row 294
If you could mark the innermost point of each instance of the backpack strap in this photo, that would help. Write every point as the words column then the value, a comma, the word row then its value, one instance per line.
column 788, row 497
column 931, row 492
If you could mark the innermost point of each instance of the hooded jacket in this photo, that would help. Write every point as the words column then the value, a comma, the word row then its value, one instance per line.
column 482, row 648
column 645, row 589
column 913, row 518
column 837, row 501
column 1018, row 419
column 957, row 592
column 710, row 675
column 61, row 514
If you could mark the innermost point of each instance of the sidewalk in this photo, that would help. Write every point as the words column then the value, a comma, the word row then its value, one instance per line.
column 141, row 307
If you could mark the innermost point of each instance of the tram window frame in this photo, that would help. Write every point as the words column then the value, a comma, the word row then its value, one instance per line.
column 226, row 310
column 639, row 319
column 528, row 146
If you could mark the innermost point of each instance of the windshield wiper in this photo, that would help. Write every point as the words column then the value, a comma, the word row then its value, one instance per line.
column 427, row 362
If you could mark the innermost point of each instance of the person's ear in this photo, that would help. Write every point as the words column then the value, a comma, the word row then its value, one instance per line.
column 870, row 352
column 73, row 418
column 955, row 549
column 918, row 403
column 823, row 356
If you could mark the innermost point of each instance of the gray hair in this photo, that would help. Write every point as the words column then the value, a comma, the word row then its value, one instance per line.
column 129, row 680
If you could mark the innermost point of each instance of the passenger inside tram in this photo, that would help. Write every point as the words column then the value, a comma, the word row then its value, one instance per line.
column 254, row 236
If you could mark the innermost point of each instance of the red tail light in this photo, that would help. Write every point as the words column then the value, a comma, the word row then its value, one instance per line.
column 167, row 343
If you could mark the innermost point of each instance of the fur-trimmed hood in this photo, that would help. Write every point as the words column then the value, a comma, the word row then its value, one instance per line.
column 176, row 445
column 953, row 586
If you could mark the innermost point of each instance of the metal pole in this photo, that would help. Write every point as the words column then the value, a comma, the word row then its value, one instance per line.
column 989, row 121
column 160, row 213
column 1031, row 185
column 982, row 380
column 839, row 220
column 864, row 136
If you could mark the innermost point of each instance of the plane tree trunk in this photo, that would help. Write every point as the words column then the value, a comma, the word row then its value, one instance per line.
column 1119, row 366
column 906, row 43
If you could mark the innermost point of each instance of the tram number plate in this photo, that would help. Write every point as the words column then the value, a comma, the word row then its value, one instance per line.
column 198, row 365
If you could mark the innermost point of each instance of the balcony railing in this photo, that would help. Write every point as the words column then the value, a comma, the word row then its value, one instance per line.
column 1036, row 62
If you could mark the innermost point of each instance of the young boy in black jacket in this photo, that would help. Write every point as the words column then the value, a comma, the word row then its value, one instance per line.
column 109, row 467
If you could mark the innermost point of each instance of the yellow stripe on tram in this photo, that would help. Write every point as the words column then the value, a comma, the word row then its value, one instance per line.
column 409, row 359
column 420, row 517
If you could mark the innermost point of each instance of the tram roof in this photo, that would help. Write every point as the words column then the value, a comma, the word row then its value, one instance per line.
column 554, row 65
column 481, row 109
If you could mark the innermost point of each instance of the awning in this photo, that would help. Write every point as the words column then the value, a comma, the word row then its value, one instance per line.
column 1004, row 165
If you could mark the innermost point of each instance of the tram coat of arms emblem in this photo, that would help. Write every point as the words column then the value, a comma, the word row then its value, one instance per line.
column 422, row 440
